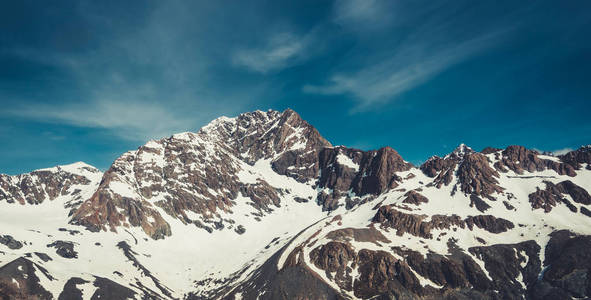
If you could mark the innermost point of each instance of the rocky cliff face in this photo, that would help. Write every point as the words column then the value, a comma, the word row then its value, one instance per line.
column 356, row 175
column 261, row 206
column 201, row 174
column 195, row 176
column 519, row 159
column 48, row 184
column 473, row 171
column 578, row 158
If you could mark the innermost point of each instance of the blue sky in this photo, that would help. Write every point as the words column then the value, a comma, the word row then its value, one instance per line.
column 89, row 80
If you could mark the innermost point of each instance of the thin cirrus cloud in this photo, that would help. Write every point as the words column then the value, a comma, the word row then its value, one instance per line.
column 437, row 42
column 362, row 14
column 410, row 65
column 280, row 51
column 135, row 121
column 287, row 49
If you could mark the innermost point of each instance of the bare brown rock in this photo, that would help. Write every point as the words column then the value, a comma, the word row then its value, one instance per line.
column 490, row 150
column 388, row 217
column 371, row 235
column 108, row 211
column 520, row 159
column 197, row 172
column 441, row 168
column 553, row 195
column 19, row 280
column 38, row 186
column 506, row 262
column 262, row 195
column 332, row 256
column 413, row 197
column 376, row 173
column 477, row 202
column 335, row 257
column 474, row 173
column 64, row 249
column 382, row 274
column 489, row 223
column 567, row 268
column 578, row 157
column 477, row 177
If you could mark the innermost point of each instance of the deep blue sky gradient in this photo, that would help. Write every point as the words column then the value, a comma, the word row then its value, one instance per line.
column 89, row 80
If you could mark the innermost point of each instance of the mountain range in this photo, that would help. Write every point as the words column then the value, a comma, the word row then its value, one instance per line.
column 261, row 206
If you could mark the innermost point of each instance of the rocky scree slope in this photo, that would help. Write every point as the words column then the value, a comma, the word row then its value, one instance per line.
column 261, row 206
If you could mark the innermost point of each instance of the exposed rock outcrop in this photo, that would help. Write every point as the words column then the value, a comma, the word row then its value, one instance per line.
column 457, row 274
column 106, row 210
column 345, row 170
column 10, row 242
column 441, row 168
column 312, row 221
column 567, row 268
column 472, row 169
column 413, row 197
column 388, row 217
column 294, row 281
column 64, row 249
column 475, row 176
column 108, row 289
column 519, row 159
column 480, row 204
column 554, row 194
column 453, row 272
column 379, row 272
column 47, row 184
column 508, row 264
column 417, row 225
column 489, row 223
column 19, row 279
column 578, row 157
column 198, row 173
column 371, row 235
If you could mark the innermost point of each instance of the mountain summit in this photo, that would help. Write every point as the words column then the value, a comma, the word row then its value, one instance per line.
column 261, row 206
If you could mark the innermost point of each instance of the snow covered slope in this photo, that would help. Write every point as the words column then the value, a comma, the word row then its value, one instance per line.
column 260, row 206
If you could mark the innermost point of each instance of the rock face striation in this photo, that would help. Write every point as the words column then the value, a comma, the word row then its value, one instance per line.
column 199, row 173
column 352, row 173
column 48, row 184
column 261, row 206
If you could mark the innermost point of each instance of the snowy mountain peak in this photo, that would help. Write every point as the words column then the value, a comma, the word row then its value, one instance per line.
column 73, row 167
column 461, row 150
column 258, row 206
column 197, row 178
column 78, row 168
column 217, row 124
column 48, row 184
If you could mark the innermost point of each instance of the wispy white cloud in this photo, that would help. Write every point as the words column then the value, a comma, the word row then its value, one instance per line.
column 285, row 49
column 280, row 51
column 131, row 120
column 145, row 81
column 409, row 56
column 364, row 13
column 415, row 61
